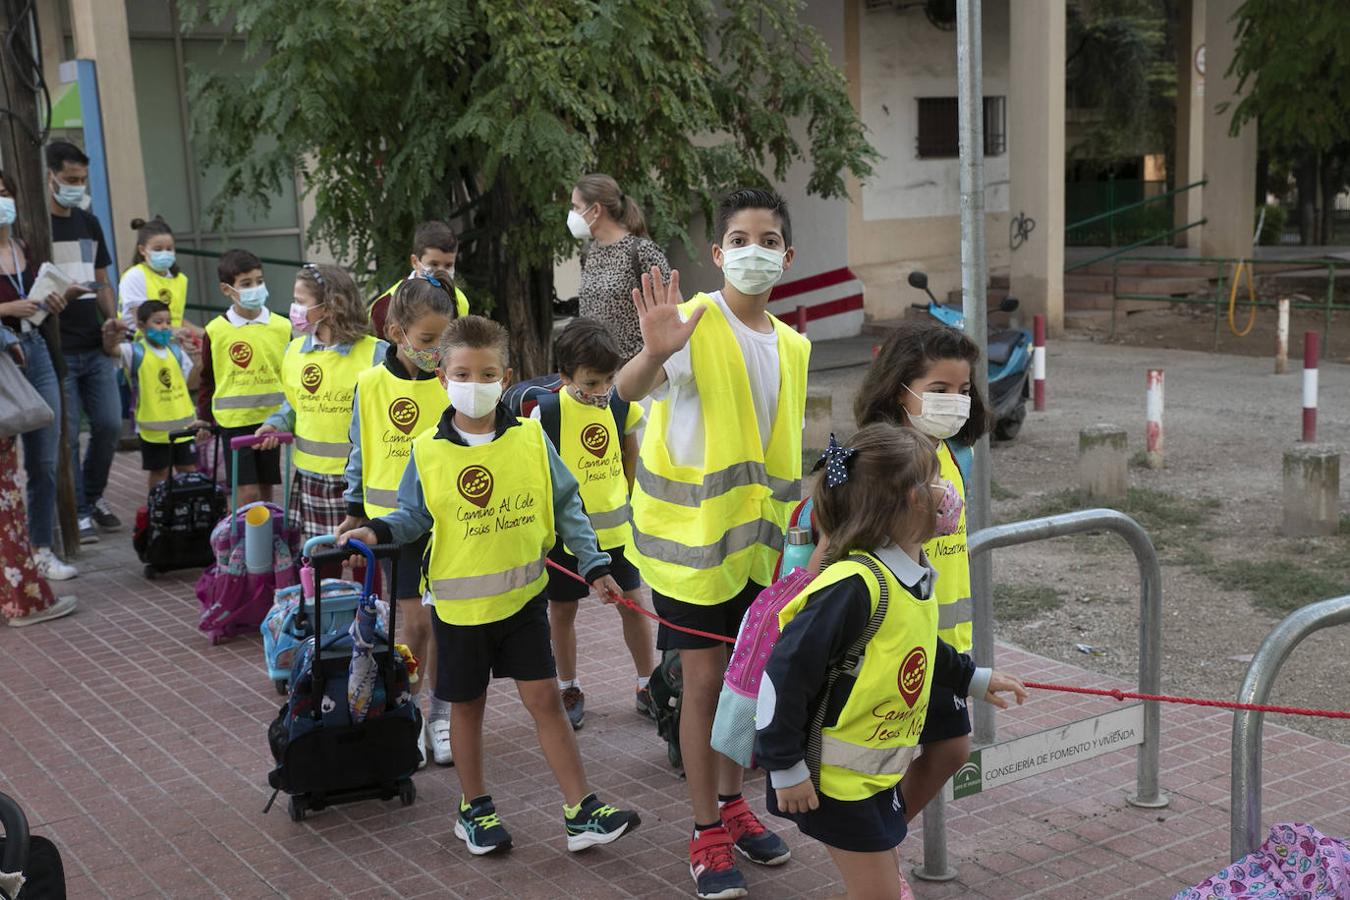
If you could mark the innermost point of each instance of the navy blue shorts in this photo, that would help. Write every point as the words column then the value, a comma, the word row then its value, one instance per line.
column 562, row 589
column 721, row 618
column 947, row 716
column 469, row 656
column 861, row 826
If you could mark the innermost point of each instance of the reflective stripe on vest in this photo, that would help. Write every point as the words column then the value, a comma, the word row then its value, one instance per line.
column 246, row 362
column 319, row 387
column 872, row 741
column 614, row 518
column 701, row 533
column 590, row 446
column 391, row 412
column 951, row 562
column 163, row 403
column 492, row 513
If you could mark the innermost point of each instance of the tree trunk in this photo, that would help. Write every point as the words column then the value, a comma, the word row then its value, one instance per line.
column 23, row 158
column 524, row 294
column 1330, row 188
column 1305, row 177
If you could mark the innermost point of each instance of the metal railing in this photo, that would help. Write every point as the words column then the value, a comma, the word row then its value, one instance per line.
column 1245, row 799
column 1217, row 297
column 1112, row 215
column 1147, row 794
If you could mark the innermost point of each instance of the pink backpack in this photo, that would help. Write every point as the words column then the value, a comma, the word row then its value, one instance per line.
column 733, row 733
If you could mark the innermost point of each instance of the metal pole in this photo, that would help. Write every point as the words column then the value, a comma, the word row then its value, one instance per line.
column 1245, row 800
column 974, row 291
column 936, row 866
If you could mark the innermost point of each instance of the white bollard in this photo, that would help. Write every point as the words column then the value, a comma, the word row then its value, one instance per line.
column 1154, row 432
column 1282, row 338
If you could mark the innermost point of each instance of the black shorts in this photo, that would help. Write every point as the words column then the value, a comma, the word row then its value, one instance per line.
column 255, row 466
column 722, row 618
column 862, row 826
column 155, row 457
column 469, row 656
column 947, row 716
column 562, row 589
column 408, row 585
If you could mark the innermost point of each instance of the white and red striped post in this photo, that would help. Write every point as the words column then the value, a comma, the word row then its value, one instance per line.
column 1309, row 387
column 1038, row 363
column 1154, row 430
column 801, row 320
column 1282, row 338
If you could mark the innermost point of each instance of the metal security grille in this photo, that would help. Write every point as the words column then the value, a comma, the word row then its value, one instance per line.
column 938, row 132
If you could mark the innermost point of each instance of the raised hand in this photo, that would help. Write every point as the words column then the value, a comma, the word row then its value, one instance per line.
column 663, row 334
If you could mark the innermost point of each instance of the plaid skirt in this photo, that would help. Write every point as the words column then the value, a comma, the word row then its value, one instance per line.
column 317, row 506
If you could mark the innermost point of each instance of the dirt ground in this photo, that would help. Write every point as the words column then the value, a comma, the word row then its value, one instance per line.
column 1213, row 512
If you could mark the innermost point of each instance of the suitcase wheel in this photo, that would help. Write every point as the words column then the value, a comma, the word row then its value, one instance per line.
column 281, row 684
column 297, row 809
column 407, row 793
column 150, row 571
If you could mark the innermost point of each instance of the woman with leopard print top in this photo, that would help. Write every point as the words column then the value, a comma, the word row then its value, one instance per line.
column 617, row 254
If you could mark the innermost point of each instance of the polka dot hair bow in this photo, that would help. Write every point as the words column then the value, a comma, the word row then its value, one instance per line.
column 835, row 461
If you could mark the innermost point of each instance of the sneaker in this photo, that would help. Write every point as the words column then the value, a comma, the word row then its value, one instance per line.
column 574, row 702
column 88, row 533
column 51, row 568
column 440, row 741
column 755, row 842
column 480, row 828
column 63, row 606
column 103, row 516
column 597, row 823
column 714, row 867
column 644, row 703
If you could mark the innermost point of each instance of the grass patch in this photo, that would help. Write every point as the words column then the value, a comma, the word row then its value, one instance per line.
column 1158, row 511
column 999, row 492
column 1139, row 460
column 1021, row 602
column 1276, row 586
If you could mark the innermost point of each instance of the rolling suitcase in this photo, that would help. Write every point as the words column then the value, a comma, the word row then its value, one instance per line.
column 173, row 529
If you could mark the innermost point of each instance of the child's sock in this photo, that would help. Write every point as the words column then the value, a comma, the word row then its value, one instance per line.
column 571, row 812
column 440, row 709
column 724, row 799
column 699, row 829
column 564, row 685
column 643, row 681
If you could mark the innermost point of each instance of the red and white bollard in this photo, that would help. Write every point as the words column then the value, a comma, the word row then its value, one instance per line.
column 1154, row 430
column 801, row 320
column 1282, row 338
column 1309, row 387
column 1038, row 363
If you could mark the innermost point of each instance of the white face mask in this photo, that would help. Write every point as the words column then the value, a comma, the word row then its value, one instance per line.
column 577, row 224
column 942, row 415
column 473, row 398
column 752, row 269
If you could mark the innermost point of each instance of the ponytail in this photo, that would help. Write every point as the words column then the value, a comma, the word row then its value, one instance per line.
column 604, row 190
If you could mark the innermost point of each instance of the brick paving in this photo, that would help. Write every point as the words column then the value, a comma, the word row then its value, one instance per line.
column 141, row 751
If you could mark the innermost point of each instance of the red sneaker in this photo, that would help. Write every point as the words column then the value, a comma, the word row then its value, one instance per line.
column 755, row 842
column 713, row 866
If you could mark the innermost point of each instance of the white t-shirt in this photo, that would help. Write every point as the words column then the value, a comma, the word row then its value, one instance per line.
column 131, row 293
column 474, row 440
column 684, row 435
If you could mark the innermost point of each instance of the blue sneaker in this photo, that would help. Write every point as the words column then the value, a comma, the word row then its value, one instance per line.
column 755, row 842
column 593, row 823
column 480, row 828
column 713, row 866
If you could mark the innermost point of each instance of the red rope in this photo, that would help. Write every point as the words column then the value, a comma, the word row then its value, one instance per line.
column 1190, row 701
column 1115, row 693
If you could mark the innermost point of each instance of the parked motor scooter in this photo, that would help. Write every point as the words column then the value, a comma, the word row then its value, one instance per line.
column 1009, row 355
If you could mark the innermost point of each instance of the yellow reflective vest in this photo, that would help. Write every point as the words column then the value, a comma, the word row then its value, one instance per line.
column 461, row 301
column 392, row 411
column 492, row 513
column 171, row 290
column 951, row 562
column 591, row 448
column 699, row 534
column 319, row 387
column 163, row 403
column 871, row 744
column 246, row 363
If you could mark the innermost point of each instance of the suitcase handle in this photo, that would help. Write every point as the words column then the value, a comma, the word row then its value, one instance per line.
column 249, row 440
column 337, row 554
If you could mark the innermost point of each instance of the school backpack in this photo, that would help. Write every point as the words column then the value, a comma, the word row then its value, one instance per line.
column 521, row 398
column 667, row 690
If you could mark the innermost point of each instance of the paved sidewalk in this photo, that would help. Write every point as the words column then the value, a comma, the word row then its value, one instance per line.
column 141, row 751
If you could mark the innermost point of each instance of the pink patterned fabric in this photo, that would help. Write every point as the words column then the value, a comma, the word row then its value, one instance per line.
column 22, row 589
column 1297, row 862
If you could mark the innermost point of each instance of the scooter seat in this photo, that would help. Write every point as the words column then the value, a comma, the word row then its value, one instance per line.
column 1002, row 344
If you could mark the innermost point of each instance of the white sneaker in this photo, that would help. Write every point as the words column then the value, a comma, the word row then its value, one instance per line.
column 422, row 749
column 51, row 568
column 63, row 606
column 440, row 741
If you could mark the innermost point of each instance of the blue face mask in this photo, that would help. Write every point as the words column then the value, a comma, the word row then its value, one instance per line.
column 161, row 260
column 69, row 195
column 8, row 211
column 253, row 297
column 160, row 337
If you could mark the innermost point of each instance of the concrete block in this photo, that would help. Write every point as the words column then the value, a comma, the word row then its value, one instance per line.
column 1103, row 462
column 1312, row 490
column 819, row 418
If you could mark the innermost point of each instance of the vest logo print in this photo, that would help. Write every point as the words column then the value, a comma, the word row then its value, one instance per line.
column 595, row 438
column 403, row 413
column 165, row 295
column 912, row 673
column 311, row 376
column 475, row 485
column 241, row 354
column 165, row 378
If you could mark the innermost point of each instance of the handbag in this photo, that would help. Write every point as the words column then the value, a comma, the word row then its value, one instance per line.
column 22, row 408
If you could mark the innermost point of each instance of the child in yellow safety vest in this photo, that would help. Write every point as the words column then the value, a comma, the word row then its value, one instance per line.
column 845, row 692
column 242, row 351
column 161, row 375
column 717, row 476
column 922, row 378
column 394, row 403
column 594, row 434
column 434, row 251
column 154, row 275
column 318, row 376
column 492, row 492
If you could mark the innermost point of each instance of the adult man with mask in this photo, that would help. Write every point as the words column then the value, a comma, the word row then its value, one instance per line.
column 78, row 248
